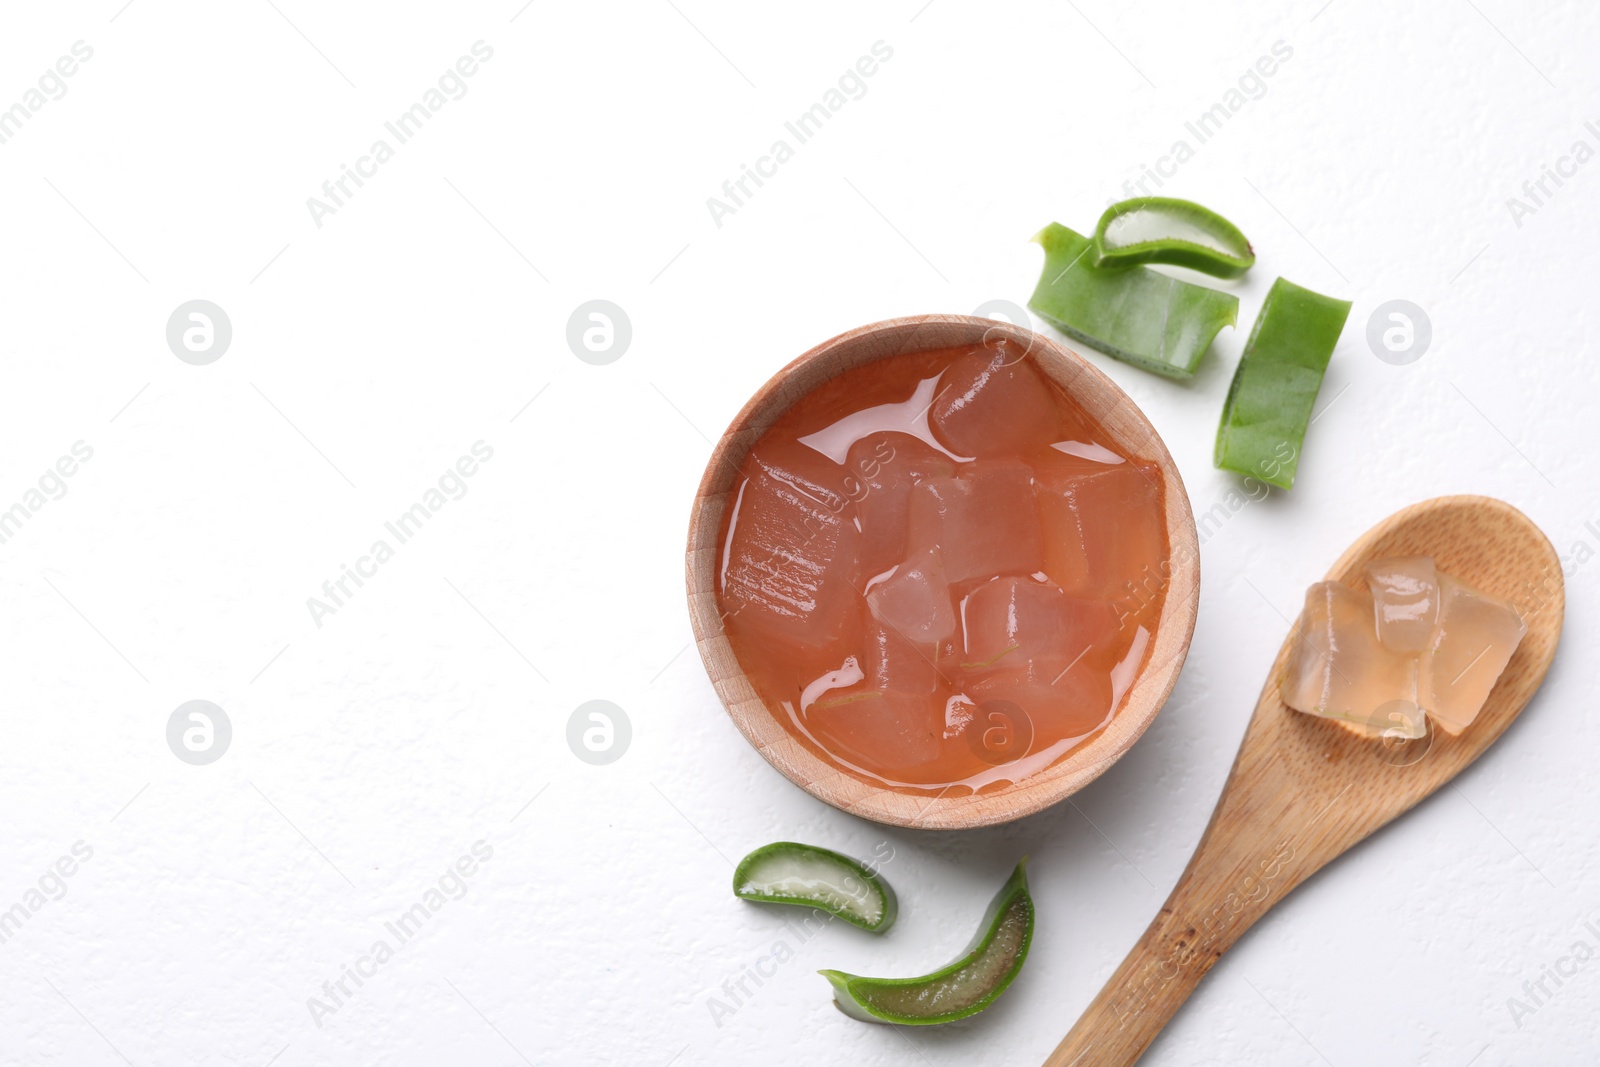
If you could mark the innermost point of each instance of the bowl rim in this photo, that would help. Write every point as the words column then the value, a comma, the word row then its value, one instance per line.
column 1128, row 427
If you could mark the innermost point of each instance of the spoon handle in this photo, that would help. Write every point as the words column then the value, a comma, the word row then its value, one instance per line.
column 1267, row 835
column 1158, row 975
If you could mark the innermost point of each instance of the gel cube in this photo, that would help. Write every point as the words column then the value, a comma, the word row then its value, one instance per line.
column 992, row 402
column 1339, row 670
column 792, row 546
column 1008, row 621
column 914, row 601
column 1405, row 601
column 887, row 466
column 1475, row 639
column 984, row 520
column 1105, row 532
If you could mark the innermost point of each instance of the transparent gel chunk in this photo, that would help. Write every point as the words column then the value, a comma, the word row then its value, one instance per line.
column 984, row 521
column 1105, row 532
column 914, row 601
column 792, row 547
column 1338, row 669
column 1013, row 621
column 1475, row 639
column 992, row 402
column 1067, row 703
column 887, row 466
column 895, row 664
column 1405, row 601
column 891, row 732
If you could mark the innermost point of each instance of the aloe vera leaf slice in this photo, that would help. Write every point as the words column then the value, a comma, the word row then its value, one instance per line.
column 786, row 872
column 1268, row 410
column 1159, row 229
column 1134, row 314
column 964, row 987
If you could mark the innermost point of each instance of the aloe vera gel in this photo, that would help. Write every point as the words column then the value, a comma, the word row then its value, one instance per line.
column 787, row 872
column 963, row 987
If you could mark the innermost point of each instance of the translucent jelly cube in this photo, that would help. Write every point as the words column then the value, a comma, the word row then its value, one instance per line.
column 888, row 732
column 1475, row 639
column 882, row 662
column 886, row 466
column 1072, row 458
column 1339, row 670
column 1069, row 703
column 1009, row 622
column 1405, row 600
column 984, row 520
column 897, row 665
column 914, row 601
column 1105, row 532
column 792, row 545
column 992, row 402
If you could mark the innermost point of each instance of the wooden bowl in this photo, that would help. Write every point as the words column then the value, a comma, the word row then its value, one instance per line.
column 1127, row 428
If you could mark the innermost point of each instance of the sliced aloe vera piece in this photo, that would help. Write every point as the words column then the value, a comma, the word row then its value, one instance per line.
column 1159, row 229
column 786, row 872
column 963, row 988
column 1268, row 409
column 1137, row 315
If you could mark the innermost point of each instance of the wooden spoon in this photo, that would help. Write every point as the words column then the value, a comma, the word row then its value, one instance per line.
column 1304, row 789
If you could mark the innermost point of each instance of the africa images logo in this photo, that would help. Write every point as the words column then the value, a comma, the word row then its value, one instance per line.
column 455, row 882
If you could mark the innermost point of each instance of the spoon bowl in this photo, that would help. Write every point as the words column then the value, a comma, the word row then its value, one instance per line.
column 1304, row 789
column 1129, row 431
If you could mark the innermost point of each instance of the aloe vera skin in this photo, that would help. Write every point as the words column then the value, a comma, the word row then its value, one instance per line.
column 857, row 882
column 1274, row 389
column 1137, row 315
column 1010, row 910
column 1190, row 235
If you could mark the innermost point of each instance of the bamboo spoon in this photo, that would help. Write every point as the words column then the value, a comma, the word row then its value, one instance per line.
column 1127, row 429
column 1303, row 789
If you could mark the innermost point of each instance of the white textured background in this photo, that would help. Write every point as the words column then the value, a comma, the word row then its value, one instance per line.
column 368, row 354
